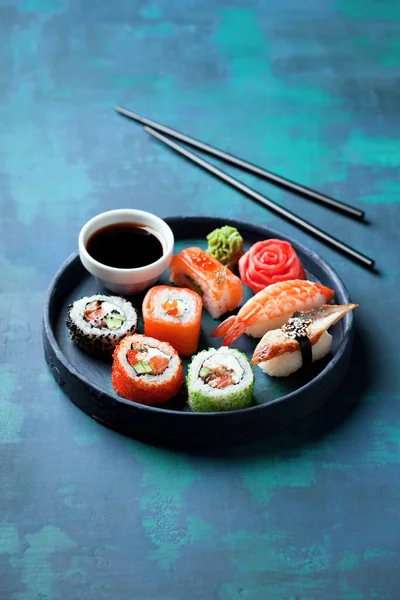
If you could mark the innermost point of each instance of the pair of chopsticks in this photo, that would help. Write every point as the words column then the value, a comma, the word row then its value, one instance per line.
column 157, row 130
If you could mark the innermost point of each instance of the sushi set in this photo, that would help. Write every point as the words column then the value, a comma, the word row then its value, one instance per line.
column 194, row 330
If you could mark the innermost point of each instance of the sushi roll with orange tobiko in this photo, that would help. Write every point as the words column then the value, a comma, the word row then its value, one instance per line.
column 146, row 370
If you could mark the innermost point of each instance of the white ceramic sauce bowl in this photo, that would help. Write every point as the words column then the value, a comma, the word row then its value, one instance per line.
column 127, row 281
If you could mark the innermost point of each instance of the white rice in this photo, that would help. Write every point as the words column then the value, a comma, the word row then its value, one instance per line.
column 186, row 310
column 290, row 362
column 217, row 304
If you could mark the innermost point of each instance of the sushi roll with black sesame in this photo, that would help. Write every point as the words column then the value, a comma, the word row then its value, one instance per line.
column 219, row 379
column 98, row 323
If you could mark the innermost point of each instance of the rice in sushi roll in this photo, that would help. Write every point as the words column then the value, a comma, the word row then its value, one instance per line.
column 219, row 379
column 98, row 323
column 146, row 370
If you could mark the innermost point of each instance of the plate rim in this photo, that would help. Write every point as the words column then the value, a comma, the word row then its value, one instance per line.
column 261, row 229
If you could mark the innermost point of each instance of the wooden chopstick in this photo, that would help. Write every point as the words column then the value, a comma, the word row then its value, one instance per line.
column 347, row 209
column 358, row 257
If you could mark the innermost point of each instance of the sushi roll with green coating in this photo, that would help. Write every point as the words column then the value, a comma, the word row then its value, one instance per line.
column 219, row 379
column 98, row 323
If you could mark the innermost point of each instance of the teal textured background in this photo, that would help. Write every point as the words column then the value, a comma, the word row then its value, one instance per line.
column 308, row 89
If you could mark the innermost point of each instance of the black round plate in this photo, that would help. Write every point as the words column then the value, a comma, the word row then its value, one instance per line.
column 277, row 402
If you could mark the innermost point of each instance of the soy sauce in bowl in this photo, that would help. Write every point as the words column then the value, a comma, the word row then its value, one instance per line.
column 125, row 245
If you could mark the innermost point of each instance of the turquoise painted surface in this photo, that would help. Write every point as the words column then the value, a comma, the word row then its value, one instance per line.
column 311, row 91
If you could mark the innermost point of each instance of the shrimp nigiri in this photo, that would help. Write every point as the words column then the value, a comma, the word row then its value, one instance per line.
column 271, row 308
column 301, row 341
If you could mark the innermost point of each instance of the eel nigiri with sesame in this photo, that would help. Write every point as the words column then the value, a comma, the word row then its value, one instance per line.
column 271, row 308
column 302, row 340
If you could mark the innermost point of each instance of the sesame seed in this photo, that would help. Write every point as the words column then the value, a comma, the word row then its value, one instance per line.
column 295, row 327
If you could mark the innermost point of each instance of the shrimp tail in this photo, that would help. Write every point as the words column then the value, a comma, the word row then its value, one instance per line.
column 230, row 329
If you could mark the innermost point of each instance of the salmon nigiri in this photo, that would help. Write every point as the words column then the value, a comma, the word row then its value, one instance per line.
column 271, row 308
column 219, row 288
column 173, row 315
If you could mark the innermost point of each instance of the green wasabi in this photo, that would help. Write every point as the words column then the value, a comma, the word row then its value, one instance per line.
column 226, row 245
